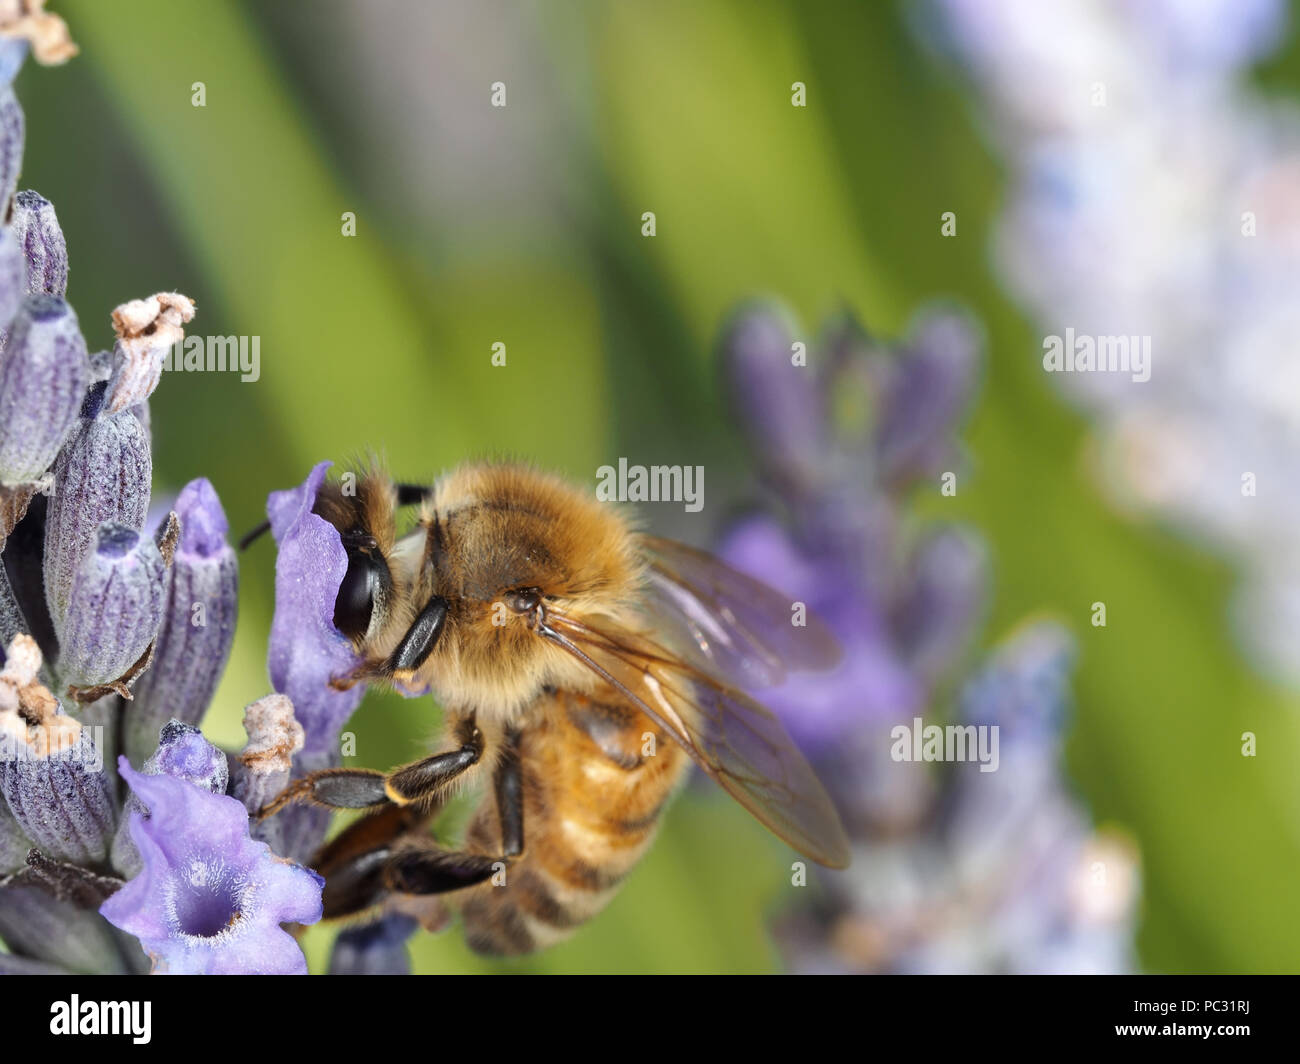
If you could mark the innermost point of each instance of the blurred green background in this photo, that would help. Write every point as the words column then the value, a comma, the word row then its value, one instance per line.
column 522, row 225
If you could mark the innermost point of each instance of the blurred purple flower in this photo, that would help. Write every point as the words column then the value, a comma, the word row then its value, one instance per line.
column 1151, row 195
column 377, row 948
column 209, row 900
column 957, row 867
column 838, row 551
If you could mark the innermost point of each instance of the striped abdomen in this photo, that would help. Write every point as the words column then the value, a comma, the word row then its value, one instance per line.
column 596, row 778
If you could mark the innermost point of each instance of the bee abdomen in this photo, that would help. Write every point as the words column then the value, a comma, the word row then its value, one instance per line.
column 591, row 810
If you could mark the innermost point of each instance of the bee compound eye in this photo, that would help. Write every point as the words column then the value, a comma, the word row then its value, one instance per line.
column 355, row 603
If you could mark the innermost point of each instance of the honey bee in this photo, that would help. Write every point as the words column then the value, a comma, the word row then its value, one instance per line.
column 582, row 667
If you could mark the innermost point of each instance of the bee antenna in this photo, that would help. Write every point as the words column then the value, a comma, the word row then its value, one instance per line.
column 252, row 536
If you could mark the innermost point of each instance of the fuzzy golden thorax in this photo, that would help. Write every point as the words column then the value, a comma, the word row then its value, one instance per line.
column 486, row 533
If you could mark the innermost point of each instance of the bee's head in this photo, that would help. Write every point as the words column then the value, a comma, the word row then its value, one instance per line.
column 501, row 546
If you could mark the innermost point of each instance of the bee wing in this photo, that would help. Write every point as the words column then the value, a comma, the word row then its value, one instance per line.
column 738, row 627
column 734, row 739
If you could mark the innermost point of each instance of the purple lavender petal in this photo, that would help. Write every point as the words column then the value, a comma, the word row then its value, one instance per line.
column 114, row 608
column 870, row 683
column 306, row 650
column 36, row 228
column 43, row 377
column 198, row 625
column 209, row 900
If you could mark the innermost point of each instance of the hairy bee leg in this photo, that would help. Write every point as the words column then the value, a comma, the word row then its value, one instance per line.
column 418, row 642
column 353, row 863
column 434, row 871
column 382, row 853
column 362, row 788
column 416, row 645
column 414, row 864
column 508, row 783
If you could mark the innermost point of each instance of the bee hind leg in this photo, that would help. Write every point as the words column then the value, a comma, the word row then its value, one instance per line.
column 422, row 867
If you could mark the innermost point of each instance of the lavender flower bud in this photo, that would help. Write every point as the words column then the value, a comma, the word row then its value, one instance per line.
column 926, row 390
column 101, row 367
column 263, row 769
column 101, row 475
column 306, row 651
column 198, row 624
column 13, row 53
column 146, row 330
column 943, row 599
column 44, row 373
column 184, row 753
column 13, row 281
column 12, row 131
column 377, row 948
column 114, row 608
column 38, row 926
column 36, row 228
column 52, row 775
column 778, row 401
column 11, row 965
column 42, row 32
column 13, row 843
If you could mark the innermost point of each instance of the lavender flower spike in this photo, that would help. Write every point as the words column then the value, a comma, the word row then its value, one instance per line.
column 198, row 624
column 114, row 608
column 306, row 650
column 102, row 475
column 37, row 231
column 44, row 373
column 209, row 900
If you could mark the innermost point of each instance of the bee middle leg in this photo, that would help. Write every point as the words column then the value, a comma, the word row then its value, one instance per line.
column 363, row 788
column 388, row 852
